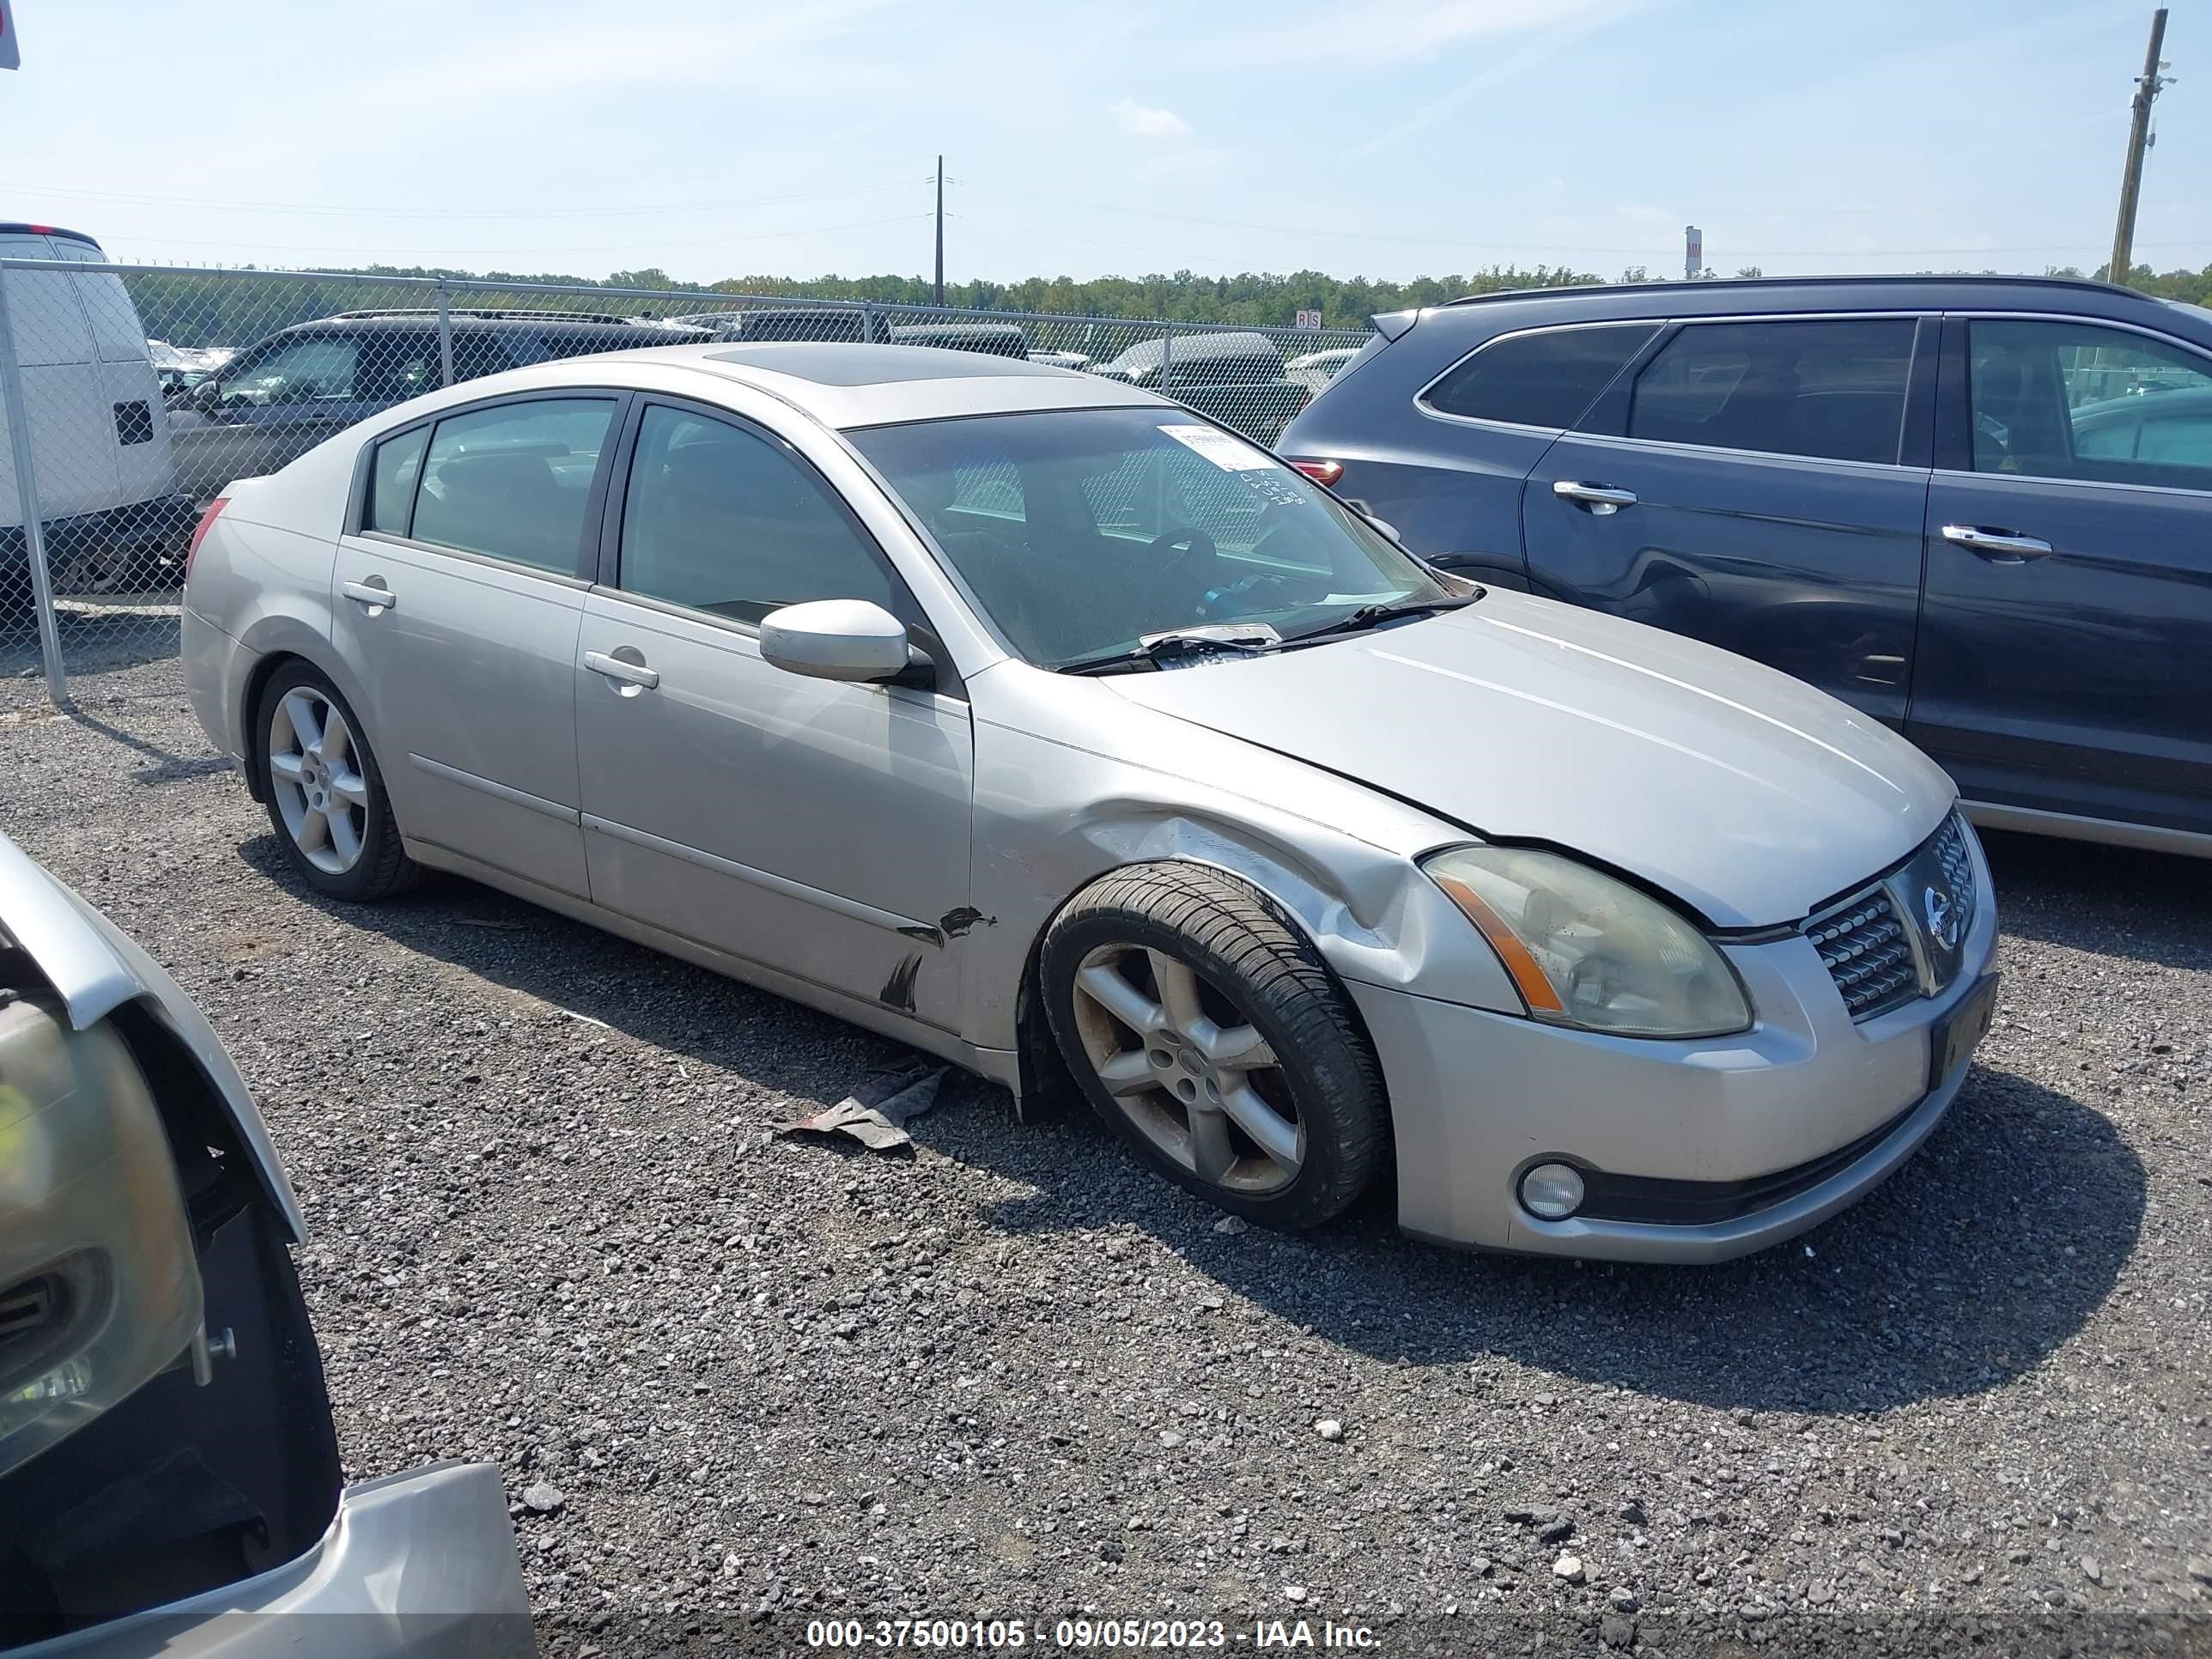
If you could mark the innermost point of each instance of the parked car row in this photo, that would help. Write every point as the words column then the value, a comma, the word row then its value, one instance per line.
column 118, row 495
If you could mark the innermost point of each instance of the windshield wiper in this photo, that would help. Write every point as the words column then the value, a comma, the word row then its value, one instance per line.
column 1236, row 639
column 1369, row 616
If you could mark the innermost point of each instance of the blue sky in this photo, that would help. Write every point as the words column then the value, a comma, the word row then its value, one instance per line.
column 1377, row 137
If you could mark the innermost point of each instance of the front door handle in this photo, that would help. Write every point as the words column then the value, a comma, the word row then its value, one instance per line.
column 630, row 673
column 1601, row 499
column 1998, row 546
column 375, row 595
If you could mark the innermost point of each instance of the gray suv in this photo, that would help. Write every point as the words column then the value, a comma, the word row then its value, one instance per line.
column 1978, row 508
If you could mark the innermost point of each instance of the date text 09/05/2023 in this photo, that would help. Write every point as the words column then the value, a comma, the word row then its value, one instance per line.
column 988, row 1634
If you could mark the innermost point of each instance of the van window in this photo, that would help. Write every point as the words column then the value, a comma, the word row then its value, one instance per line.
column 513, row 481
column 2072, row 400
column 1545, row 378
column 1834, row 390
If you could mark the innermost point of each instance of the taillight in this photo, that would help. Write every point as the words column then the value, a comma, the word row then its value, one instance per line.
column 199, row 530
column 1322, row 472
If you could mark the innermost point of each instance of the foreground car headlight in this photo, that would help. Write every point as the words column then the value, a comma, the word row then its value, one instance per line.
column 1588, row 950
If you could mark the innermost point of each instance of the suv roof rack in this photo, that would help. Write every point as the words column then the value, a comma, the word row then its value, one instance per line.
column 496, row 313
column 1893, row 277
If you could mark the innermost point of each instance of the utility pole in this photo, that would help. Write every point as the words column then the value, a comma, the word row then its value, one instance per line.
column 2147, row 91
column 941, row 213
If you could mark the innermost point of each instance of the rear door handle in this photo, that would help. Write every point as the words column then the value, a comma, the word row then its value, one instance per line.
column 1601, row 499
column 1998, row 546
column 374, row 595
column 630, row 673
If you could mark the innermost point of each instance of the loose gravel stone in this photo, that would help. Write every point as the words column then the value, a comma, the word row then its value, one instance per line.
column 550, row 1230
column 1329, row 1429
column 1568, row 1567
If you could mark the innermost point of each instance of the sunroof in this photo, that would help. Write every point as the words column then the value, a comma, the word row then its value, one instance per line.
column 829, row 363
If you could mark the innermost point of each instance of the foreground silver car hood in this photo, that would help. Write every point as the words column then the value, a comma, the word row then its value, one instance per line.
column 1747, row 794
column 94, row 967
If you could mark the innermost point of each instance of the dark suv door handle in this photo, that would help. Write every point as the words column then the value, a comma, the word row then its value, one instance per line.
column 1998, row 546
column 1600, row 499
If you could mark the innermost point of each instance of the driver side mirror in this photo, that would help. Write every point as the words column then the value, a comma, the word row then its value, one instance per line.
column 853, row 639
column 206, row 396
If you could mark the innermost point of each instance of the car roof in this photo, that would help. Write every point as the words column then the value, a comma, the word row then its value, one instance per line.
column 838, row 385
column 1944, row 285
column 1459, row 324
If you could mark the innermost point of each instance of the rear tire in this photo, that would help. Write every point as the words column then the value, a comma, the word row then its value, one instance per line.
column 1211, row 1035
column 325, row 791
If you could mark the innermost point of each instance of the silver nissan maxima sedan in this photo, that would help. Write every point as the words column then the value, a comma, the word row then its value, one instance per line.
column 1046, row 726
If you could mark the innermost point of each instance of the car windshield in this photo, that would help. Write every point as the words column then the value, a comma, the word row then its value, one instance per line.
column 1083, row 532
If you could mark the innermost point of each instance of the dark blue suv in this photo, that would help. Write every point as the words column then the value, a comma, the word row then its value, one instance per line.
column 1979, row 508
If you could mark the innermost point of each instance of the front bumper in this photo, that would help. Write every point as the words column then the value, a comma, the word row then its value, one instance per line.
column 420, row 1563
column 1477, row 1097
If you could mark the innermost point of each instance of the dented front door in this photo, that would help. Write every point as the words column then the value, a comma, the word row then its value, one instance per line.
column 817, row 828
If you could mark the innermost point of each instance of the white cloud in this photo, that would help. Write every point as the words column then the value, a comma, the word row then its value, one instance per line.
column 1369, row 32
column 1147, row 121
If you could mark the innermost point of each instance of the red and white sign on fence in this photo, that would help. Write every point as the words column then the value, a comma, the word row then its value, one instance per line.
column 1309, row 319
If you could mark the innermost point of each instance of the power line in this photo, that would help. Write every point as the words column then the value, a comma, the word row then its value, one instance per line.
column 631, row 246
column 309, row 209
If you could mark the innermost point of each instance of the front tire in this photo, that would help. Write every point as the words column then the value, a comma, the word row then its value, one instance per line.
column 1210, row 1036
column 325, row 791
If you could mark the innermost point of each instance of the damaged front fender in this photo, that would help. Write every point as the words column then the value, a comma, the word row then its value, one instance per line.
column 1053, row 814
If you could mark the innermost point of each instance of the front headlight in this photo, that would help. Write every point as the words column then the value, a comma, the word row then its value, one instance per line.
column 1588, row 950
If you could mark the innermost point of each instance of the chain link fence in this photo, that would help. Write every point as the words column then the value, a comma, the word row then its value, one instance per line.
column 132, row 394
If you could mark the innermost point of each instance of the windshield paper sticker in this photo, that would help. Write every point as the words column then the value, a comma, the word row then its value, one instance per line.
column 1231, row 454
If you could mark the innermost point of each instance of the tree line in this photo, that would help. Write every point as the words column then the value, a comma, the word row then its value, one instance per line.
column 195, row 309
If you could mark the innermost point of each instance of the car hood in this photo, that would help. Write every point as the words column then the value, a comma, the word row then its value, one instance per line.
column 1748, row 795
column 94, row 967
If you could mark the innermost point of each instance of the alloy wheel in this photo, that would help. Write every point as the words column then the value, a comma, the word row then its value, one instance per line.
column 1188, row 1068
column 315, row 776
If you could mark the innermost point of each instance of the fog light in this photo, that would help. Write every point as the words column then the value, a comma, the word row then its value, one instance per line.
column 1552, row 1192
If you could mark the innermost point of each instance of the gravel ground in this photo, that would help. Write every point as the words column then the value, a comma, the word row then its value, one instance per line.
column 735, row 1384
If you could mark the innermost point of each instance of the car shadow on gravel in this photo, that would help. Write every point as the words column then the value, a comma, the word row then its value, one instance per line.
column 768, row 1043
column 2115, row 900
column 1990, row 1248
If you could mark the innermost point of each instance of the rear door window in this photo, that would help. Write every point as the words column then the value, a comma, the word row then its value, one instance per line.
column 1832, row 389
column 1544, row 378
column 513, row 481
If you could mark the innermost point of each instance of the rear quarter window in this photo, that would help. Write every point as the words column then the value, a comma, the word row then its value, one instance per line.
column 1544, row 378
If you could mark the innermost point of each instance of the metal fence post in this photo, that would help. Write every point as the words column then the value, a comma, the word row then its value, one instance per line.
column 1167, row 361
column 875, row 333
column 445, row 336
column 27, row 492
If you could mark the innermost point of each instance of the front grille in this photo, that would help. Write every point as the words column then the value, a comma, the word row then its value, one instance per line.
column 27, row 1308
column 1703, row 1203
column 1863, row 946
column 1958, row 870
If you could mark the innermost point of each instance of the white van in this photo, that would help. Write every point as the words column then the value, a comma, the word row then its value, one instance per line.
column 99, row 437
